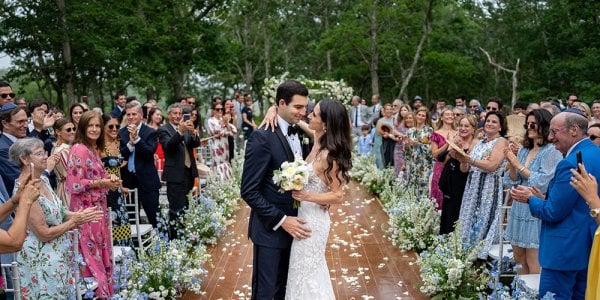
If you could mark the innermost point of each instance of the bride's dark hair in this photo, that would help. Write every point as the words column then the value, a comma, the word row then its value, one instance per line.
column 336, row 138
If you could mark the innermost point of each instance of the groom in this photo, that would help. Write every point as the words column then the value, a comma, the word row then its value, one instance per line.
column 273, row 222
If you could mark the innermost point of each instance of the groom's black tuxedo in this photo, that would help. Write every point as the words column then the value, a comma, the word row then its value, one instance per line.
column 265, row 152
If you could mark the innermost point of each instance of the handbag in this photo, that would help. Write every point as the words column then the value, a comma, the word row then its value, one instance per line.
column 122, row 232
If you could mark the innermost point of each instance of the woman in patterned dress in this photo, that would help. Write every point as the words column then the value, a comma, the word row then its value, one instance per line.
column 533, row 166
column 113, row 162
column 445, row 130
column 479, row 211
column 88, row 182
column 402, row 125
column 419, row 161
column 44, row 262
column 219, row 129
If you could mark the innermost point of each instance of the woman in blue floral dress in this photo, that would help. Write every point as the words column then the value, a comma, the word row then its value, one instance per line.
column 479, row 211
column 419, row 161
column 533, row 166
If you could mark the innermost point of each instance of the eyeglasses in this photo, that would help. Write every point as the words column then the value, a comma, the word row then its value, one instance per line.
column 6, row 95
column 70, row 129
column 491, row 108
column 531, row 125
column 593, row 137
column 191, row 103
column 474, row 106
column 458, row 114
column 113, row 126
column 219, row 109
column 40, row 154
column 554, row 131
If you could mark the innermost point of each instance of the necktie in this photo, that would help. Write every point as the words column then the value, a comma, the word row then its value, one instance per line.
column 356, row 116
column 292, row 130
column 131, row 162
column 187, row 161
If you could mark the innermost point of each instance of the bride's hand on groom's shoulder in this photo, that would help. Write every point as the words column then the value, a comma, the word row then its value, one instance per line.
column 296, row 227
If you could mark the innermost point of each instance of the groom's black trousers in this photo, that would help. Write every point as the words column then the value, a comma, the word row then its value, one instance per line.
column 269, row 272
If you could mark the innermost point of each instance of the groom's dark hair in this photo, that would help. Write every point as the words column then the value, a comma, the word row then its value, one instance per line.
column 288, row 89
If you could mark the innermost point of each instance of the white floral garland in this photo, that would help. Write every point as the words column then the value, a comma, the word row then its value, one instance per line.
column 318, row 89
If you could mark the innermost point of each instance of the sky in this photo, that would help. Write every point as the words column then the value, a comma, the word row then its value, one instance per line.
column 4, row 61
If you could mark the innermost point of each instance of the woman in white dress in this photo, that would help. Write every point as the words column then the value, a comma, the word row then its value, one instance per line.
column 330, row 160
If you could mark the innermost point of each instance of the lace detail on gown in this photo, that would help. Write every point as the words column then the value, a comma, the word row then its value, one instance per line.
column 308, row 275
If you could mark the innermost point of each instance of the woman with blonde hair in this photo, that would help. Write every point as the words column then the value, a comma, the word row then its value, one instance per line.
column 445, row 131
column 420, row 160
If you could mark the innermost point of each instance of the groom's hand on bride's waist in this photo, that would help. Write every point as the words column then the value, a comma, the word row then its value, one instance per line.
column 296, row 227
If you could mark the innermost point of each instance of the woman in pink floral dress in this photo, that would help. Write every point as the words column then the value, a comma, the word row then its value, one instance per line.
column 88, row 183
column 219, row 129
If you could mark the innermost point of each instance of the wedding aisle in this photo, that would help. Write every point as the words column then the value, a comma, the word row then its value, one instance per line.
column 363, row 263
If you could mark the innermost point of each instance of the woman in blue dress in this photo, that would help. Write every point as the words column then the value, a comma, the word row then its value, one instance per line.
column 533, row 166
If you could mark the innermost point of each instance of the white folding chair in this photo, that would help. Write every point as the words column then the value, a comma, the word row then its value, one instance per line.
column 12, row 269
column 503, row 248
column 142, row 233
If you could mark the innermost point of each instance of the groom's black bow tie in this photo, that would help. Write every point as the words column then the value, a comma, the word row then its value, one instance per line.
column 292, row 130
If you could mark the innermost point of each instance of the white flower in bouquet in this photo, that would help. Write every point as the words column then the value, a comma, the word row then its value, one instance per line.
column 292, row 176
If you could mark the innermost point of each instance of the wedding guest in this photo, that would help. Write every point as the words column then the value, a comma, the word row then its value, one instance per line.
column 385, row 128
column 419, row 161
column 64, row 131
column 219, row 129
column 12, row 237
column 533, row 166
column 49, row 220
column 248, row 124
column 365, row 142
column 593, row 133
column 88, row 184
column 233, row 120
column 113, row 161
column 13, row 126
column 587, row 186
column 483, row 193
column 445, row 131
column 567, row 229
column 595, row 112
column 196, row 120
column 405, row 120
column 454, row 175
column 75, row 112
column 155, row 120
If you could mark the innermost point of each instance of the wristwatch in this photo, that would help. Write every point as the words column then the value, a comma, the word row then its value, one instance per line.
column 594, row 212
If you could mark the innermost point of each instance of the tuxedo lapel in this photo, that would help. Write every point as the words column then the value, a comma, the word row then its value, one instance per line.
column 286, row 145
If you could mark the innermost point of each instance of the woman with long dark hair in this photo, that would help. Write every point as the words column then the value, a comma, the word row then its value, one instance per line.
column 329, row 162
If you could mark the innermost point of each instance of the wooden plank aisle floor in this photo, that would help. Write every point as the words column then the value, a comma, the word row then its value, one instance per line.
column 362, row 261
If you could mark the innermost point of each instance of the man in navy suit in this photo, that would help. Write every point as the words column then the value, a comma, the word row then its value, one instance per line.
column 120, row 100
column 138, row 144
column 273, row 222
column 178, row 141
column 567, row 227
column 13, row 126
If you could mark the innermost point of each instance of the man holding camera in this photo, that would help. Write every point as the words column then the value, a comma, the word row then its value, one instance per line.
column 178, row 141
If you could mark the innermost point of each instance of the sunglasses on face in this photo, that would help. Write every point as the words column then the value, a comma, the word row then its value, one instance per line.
column 219, row 109
column 70, row 129
column 531, row 125
column 491, row 108
column 113, row 126
column 593, row 137
column 6, row 95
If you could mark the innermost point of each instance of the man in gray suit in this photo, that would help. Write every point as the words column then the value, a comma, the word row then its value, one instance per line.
column 358, row 116
column 375, row 109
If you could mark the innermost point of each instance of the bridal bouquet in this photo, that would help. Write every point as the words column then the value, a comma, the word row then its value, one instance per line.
column 292, row 176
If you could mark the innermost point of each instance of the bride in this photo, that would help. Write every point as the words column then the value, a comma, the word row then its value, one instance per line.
column 330, row 160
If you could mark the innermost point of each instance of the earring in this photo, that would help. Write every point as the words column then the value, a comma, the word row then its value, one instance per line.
column 324, row 129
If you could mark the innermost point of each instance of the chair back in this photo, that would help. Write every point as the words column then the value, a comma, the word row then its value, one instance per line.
column 13, row 270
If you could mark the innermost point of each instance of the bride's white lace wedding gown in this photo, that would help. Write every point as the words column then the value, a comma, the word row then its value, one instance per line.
column 308, row 275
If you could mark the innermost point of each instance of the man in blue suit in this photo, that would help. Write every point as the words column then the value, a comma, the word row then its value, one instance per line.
column 273, row 222
column 567, row 227
column 138, row 144
column 13, row 126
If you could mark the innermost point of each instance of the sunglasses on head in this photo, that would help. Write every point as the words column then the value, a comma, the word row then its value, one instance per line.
column 5, row 95
column 593, row 137
column 530, row 125
column 113, row 126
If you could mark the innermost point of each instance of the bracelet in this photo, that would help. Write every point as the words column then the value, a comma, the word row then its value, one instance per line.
column 521, row 169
